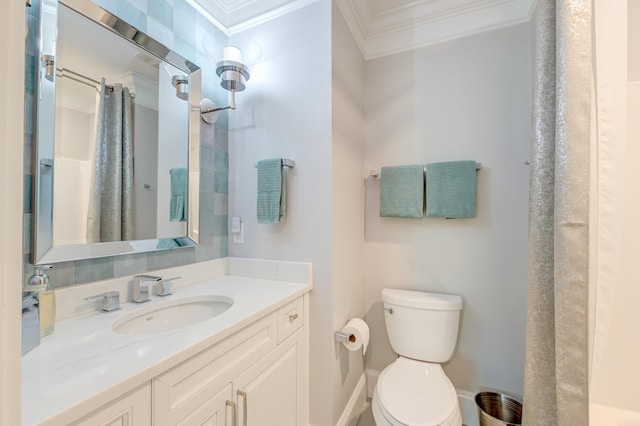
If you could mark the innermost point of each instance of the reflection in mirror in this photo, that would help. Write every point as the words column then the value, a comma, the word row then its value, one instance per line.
column 125, row 149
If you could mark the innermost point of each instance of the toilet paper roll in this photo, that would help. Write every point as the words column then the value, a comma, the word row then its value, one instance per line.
column 358, row 332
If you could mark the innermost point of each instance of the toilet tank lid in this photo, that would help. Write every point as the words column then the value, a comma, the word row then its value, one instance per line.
column 421, row 299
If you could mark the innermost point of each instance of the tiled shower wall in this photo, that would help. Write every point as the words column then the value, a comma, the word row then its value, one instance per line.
column 178, row 26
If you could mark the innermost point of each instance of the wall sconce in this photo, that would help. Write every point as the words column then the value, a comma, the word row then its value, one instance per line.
column 234, row 74
column 181, row 83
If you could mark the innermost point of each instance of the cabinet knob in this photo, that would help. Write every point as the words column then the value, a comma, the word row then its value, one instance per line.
column 293, row 317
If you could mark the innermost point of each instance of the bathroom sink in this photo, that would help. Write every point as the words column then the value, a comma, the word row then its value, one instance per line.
column 171, row 314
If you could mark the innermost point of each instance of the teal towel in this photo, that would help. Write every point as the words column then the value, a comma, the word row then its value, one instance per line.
column 451, row 189
column 178, row 201
column 167, row 243
column 272, row 191
column 402, row 191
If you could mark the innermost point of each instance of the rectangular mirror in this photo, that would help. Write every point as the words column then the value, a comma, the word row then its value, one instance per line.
column 116, row 163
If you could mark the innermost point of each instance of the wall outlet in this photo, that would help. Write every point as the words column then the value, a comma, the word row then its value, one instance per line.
column 238, row 237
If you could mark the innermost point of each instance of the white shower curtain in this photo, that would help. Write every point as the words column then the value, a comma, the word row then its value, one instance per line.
column 615, row 370
column 110, row 216
column 557, row 344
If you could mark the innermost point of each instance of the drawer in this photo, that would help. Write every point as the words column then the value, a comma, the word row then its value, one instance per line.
column 290, row 318
column 193, row 382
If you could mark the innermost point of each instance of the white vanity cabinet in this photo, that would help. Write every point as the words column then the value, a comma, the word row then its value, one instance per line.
column 248, row 366
column 132, row 409
column 256, row 376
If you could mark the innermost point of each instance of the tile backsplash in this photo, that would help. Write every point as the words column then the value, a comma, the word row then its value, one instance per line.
column 178, row 26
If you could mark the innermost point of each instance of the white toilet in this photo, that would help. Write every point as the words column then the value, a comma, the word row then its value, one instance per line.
column 414, row 391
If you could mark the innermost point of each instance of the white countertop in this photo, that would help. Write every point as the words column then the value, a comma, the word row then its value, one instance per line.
column 84, row 358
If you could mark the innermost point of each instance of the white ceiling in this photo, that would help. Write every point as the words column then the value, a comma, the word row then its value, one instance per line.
column 383, row 27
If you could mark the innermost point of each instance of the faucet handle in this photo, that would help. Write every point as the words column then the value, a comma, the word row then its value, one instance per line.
column 110, row 300
column 163, row 288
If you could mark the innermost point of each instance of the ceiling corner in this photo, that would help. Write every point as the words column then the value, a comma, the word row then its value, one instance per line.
column 383, row 27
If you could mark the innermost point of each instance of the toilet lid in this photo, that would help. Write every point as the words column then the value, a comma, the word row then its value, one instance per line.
column 416, row 392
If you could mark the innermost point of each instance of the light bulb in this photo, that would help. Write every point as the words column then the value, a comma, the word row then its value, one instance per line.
column 231, row 53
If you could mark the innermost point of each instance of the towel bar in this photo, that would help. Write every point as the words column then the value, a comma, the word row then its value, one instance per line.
column 376, row 173
column 286, row 162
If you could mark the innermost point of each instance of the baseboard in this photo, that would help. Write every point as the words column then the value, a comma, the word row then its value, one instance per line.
column 466, row 399
column 354, row 406
column 467, row 402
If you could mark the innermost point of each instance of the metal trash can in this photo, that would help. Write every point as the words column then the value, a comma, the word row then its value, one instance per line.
column 496, row 409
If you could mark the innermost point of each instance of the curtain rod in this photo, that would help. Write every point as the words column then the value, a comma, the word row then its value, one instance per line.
column 89, row 81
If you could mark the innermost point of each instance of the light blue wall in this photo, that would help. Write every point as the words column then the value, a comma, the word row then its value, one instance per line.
column 178, row 26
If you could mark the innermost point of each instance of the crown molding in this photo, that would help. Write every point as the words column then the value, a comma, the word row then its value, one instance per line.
column 234, row 16
column 421, row 23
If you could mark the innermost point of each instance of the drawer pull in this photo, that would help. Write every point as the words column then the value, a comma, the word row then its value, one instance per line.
column 244, row 406
column 234, row 421
column 293, row 317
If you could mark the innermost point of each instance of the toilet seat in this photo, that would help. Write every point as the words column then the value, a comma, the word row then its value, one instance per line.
column 416, row 393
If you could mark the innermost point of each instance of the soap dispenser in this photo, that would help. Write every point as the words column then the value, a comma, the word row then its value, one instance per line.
column 39, row 282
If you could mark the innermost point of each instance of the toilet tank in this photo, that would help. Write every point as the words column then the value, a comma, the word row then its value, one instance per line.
column 421, row 325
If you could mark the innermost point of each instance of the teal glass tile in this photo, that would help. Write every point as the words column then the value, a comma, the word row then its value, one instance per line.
column 62, row 274
column 160, row 32
column 183, row 256
column 221, row 139
column 207, row 157
column 207, row 181
column 29, row 74
column 28, row 191
column 207, row 224
column 26, row 234
column 162, row 12
column 221, row 204
column 27, row 153
column 221, row 182
column 29, row 113
column 109, row 5
column 131, row 15
column 220, row 246
column 221, row 161
column 159, row 260
column 184, row 23
column 184, row 49
column 207, row 204
column 130, row 264
column 89, row 270
column 220, row 225
column 204, row 250
column 140, row 4
column 207, row 133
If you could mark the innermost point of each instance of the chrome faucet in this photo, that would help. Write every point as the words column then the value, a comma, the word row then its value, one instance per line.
column 110, row 300
column 163, row 288
column 142, row 287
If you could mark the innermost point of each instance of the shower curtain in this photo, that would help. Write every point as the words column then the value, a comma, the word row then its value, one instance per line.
column 110, row 216
column 556, row 365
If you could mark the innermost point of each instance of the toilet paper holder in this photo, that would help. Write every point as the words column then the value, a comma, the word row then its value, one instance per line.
column 341, row 337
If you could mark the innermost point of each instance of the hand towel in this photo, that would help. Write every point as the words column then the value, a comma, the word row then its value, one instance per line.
column 178, row 201
column 272, row 191
column 402, row 191
column 167, row 243
column 451, row 189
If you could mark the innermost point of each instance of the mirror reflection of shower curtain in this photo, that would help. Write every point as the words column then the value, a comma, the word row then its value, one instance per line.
column 110, row 216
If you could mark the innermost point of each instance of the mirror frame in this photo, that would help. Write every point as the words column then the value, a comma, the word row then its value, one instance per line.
column 43, row 250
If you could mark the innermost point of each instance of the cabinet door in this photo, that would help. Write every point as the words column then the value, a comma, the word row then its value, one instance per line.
column 195, row 391
column 216, row 411
column 133, row 409
column 267, row 394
